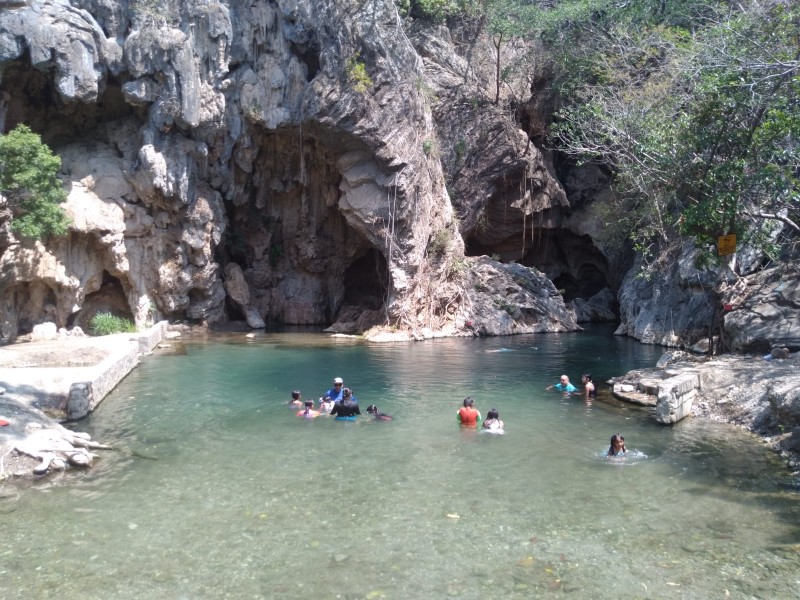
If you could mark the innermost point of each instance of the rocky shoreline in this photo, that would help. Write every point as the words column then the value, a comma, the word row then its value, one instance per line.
column 758, row 393
column 55, row 379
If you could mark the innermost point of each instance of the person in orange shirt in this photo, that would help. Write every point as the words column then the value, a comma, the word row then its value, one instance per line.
column 468, row 415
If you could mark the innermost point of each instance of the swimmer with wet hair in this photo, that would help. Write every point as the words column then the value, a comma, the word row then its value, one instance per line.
column 590, row 392
column 379, row 416
column 617, row 447
column 468, row 415
column 308, row 412
column 296, row 399
column 493, row 422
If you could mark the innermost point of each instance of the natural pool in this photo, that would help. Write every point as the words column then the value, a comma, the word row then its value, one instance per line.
column 216, row 489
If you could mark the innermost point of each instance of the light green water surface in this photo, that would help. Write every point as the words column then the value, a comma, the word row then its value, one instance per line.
column 216, row 489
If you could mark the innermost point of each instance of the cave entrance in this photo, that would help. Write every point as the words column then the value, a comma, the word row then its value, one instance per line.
column 29, row 96
column 110, row 298
column 571, row 261
column 366, row 281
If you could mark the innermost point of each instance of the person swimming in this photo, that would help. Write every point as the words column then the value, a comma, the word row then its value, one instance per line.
column 296, row 399
column 563, row 386
column 617, row 447
column 468, row 415
column 308, row 412
column 493, row 422
column 346, row 409
column 590, row 392
column 379, row 416
column 325, row 405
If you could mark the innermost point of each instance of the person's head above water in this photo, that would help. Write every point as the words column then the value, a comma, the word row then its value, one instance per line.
column 468, row 401
column 346, row 393
column 492, row 414
column 372, row 408
column 296, row 395
column 617, row 445
column 338, row 382
column 586, row 377
column 564, row 379
column 309, row 404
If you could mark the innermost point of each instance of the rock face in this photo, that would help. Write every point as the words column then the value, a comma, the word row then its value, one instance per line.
column 765, row 310
column 292, row 149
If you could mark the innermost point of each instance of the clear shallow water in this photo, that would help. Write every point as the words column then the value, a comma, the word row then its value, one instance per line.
column 216, row 489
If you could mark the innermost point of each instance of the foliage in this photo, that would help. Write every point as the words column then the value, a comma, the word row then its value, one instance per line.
column 104, row 323
column 357, row 75
column 433, row 10
column 439, row 242
column 695, row 109
column 29, row 183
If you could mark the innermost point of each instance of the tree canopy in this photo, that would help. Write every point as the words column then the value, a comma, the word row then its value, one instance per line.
column 695, row 107
column 30, row 186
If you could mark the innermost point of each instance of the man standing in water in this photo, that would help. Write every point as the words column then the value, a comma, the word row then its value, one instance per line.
column 563, row 386
column 336, row 391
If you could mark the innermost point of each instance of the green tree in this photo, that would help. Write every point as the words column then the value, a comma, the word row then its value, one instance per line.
column 30, row 186
column 695, row 108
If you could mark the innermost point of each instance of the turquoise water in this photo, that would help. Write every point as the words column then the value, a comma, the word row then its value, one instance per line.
column 216, row 489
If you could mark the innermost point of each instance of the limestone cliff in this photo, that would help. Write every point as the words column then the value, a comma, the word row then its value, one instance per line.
column 291, row 147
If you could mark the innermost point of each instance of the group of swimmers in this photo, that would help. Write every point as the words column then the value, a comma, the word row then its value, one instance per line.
column 338, row 402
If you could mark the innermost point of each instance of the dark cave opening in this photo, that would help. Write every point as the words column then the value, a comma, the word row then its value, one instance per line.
column 366, row 281
column 29, row 96
column 109, row 298
column 571, row 261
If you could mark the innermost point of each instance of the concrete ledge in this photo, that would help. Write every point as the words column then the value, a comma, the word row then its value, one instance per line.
column 72, row 392
column 84, row 396
column 676, row 396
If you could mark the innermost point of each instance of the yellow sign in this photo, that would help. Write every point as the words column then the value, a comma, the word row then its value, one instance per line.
column 726, row 244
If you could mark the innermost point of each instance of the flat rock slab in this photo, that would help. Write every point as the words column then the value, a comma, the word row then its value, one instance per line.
column 634, row 397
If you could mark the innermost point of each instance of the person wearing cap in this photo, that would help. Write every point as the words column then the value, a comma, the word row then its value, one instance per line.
column 563, row 386
column 336, row 391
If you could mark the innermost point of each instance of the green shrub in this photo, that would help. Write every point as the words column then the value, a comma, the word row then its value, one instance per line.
column 29, row 181
column 357, row 75
column 104, row 323
column 439, row 242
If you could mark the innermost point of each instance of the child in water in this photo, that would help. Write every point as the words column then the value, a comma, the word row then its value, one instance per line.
column 325, row 405
column 308, row 412
column 295, row 401
column 493, row 422
column 379, row 416
column 617, row 447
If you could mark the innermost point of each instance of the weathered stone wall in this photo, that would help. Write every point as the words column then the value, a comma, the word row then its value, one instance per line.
column 198, row 135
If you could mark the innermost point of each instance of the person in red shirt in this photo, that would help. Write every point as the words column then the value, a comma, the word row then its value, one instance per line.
column 468, row 415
